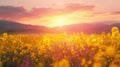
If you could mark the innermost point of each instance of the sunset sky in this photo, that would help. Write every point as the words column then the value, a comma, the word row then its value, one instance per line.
column 59, row 12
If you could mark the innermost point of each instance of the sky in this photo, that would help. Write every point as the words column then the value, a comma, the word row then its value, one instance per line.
column 53, row 13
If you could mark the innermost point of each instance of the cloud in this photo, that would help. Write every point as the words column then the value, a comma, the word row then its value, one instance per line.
column 10, row 12
column 20, row 13
column 78, row 7
column 116, row 12
column 106, row 13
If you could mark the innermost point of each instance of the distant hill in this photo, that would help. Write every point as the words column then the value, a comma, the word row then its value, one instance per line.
column 88, row 28
column 15, row 27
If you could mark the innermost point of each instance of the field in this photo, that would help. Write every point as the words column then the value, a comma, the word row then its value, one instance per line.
column 60, row 50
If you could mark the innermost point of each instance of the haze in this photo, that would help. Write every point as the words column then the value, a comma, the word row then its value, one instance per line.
column 59, row 12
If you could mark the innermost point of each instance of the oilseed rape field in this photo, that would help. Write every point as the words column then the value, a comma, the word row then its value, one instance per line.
column 60, row 50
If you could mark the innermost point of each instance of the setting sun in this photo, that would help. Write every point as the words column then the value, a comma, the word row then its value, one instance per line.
column 59, row 21
column 59, row 33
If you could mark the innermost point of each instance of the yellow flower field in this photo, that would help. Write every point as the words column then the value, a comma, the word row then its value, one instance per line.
column 60, row 50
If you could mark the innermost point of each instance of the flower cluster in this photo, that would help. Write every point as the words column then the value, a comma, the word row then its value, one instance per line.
column 60, row 50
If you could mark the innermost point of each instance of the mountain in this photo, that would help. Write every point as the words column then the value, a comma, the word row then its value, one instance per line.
column 15, row 27
column 88, row 28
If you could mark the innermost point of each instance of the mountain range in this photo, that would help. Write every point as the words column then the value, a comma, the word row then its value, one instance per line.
column 88, row 28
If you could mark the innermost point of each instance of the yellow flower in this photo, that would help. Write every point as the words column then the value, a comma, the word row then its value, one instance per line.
column 110, row 51
column 62, row 63
column 0, row 64
column 97, row 64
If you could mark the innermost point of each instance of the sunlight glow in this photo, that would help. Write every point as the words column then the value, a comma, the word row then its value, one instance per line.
column 60, row 21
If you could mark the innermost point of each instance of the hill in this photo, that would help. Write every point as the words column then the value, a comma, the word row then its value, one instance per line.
column 88, row 28
column 16, row 27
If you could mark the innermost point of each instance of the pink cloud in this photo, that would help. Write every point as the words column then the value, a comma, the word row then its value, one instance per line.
column 77, row 7
column 12, row 12
column 20, row 13
column 116, row 12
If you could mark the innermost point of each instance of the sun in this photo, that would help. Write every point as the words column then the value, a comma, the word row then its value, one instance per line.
column 59, row 21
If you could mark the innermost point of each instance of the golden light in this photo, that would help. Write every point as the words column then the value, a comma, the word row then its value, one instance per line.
column 63, row 19
column 59, row 21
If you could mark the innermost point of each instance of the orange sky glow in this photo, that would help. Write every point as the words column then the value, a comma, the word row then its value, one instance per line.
column 53, row 13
